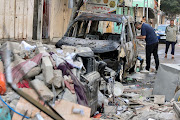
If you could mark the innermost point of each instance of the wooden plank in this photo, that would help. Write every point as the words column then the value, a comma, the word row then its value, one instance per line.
column 45, row 22
column 58, row 18
column 65, row 16
column 2, row 8
column 62, row 107
column 12, row 15
column 25, row 19
column 40, row 18
column 7, row 20
column 51, row 14
column 30, row 19
column 68, row 114
column 20, row 19
column 24, row 105
column 16, row 19
column 58, row 22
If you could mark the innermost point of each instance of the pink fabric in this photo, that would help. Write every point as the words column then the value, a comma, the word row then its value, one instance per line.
column 23, row 84
column 23, row 68
column 70, row 86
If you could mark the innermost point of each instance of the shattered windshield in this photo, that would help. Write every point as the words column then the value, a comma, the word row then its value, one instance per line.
column 96, row 30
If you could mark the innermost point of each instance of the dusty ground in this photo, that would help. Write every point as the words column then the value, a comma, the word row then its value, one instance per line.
column 147, row 80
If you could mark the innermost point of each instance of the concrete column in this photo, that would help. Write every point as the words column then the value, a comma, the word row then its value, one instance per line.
column 147, row 13
column 144, row 9
column 158, row 18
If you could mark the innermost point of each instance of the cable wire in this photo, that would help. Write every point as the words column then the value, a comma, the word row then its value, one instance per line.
column 13, row 109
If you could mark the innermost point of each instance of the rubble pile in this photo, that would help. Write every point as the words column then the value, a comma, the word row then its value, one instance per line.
column 70, row 78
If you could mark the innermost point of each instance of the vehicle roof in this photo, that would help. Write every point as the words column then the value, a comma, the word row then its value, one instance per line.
column 103, row 17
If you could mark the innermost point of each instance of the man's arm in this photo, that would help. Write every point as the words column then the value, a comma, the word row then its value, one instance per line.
column 166, row 30
column 141, row 37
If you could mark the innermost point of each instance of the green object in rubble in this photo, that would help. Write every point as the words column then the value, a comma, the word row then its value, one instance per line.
column 130, row 79
column 4, row 113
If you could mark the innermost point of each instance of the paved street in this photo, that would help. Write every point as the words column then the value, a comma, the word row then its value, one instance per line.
column 147, row 80
column 161, row 53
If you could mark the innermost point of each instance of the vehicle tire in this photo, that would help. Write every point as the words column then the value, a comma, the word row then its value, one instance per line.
column 131, row 70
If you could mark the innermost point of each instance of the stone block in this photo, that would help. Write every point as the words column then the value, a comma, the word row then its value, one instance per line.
column 40, row 47
column 42, row 89
column 33, row 72
column 159, row 99
column 14, row 45
column 167, row 80
column 47, row 68
column 40, row 77
column 147, row 92
column 58, row 78
column 109, row 110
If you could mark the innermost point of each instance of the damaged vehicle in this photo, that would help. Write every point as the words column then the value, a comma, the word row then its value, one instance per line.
column 117, row 48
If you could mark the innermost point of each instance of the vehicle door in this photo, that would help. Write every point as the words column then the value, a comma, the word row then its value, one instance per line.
column 130, row 44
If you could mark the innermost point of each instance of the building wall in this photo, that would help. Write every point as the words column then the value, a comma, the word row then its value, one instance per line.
column 16, row 18
column 59, row 18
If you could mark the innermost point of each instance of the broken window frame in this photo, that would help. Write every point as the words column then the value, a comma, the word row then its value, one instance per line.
column 85, row 27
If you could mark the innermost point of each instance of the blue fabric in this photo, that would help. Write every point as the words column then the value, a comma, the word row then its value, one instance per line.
column 148, row 31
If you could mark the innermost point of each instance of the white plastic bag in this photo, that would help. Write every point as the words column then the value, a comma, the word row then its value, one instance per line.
column 25, row 46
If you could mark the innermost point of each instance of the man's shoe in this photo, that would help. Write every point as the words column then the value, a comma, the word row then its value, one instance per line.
column 172, row 57
column 144, row 71
column 165, row 56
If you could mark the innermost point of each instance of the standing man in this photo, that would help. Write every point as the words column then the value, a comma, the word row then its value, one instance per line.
column 147, row 33
column 171, row 33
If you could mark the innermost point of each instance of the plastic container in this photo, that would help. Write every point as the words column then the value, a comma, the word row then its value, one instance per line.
column 2, row 79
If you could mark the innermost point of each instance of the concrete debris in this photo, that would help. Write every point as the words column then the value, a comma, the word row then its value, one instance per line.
column 40, row 77
column 147, row 92
column 110, row 110
column 42, row 89
column 68, row 49
column 159, row 99
column 132, row 96
column 176, row 107
column 40, row 48
column 33, row 72
column 139, row 100
column 47, row 68
column 68, row 96
column 58, row 78
column 14, row 45
column 164, row 85
column 102, row 99
column 10, row 96
column 17, row 60
column 118, row 89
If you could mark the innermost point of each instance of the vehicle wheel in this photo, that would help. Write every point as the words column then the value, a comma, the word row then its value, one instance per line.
column 131, row 70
